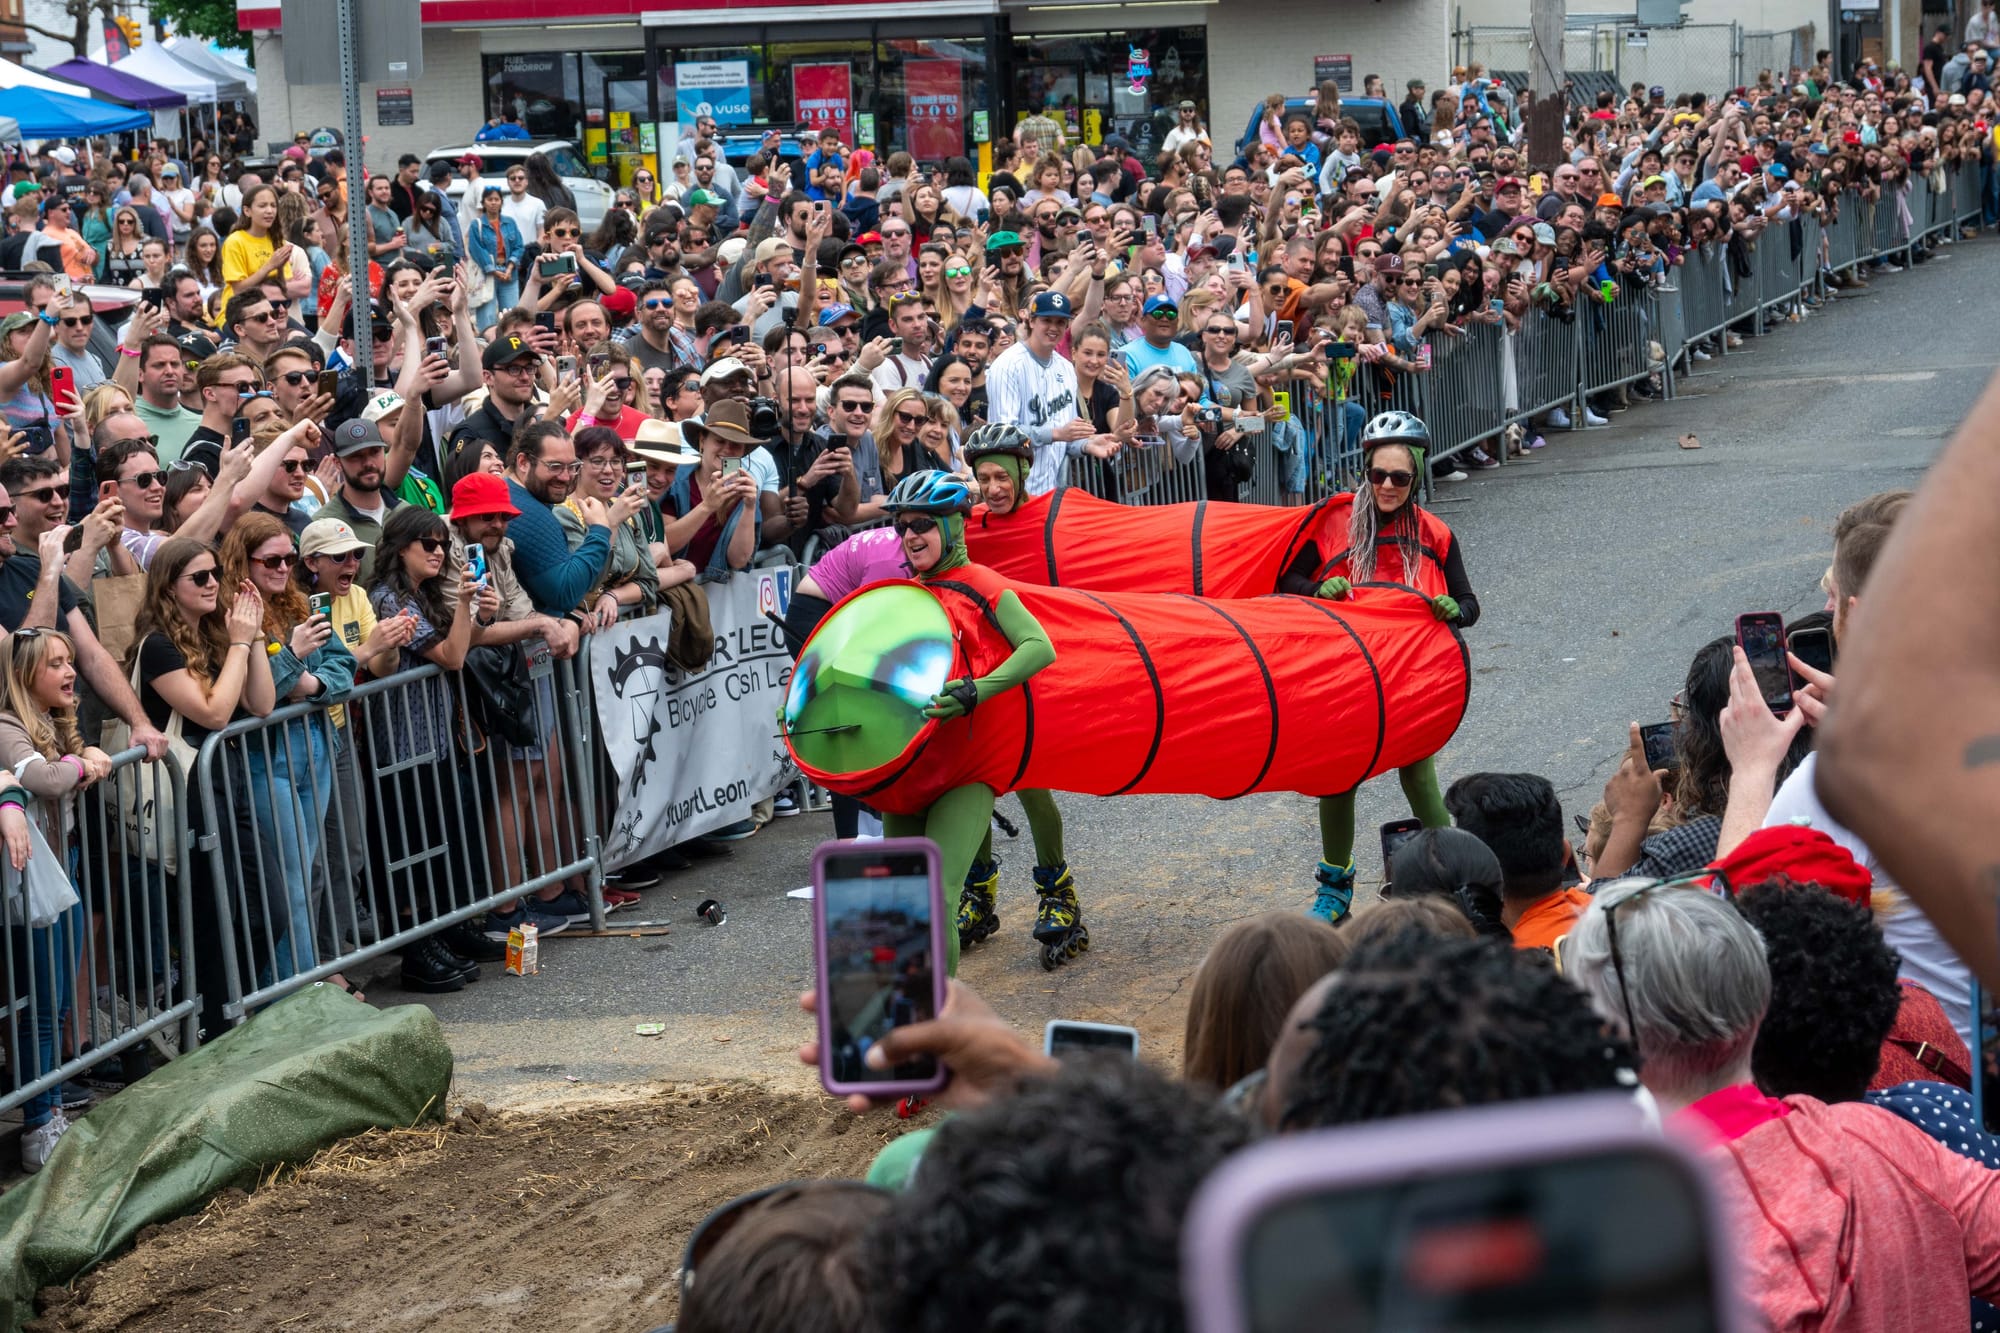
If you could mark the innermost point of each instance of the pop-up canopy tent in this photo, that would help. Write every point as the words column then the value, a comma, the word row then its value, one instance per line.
column 45, row 115
column 117, row 85
column 156, row 66
column 20, row 76
column 228, row 77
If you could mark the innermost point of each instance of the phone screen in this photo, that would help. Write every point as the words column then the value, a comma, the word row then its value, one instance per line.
column 1610, row 1241
column 239, row 430
column 1761, row 635
column 1062, row 1037
column 879, row 969
column 1394, row 834
column 1814, row 647
column 1658, row 738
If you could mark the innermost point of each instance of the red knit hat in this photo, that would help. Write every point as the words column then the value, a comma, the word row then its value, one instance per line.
column 1803, row 854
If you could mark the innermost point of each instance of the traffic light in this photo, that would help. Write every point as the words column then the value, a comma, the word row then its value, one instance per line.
column 129, row 26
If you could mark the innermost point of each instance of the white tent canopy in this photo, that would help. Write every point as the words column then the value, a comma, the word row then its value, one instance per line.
column 19, row 76
column 155, row 65
column 228, row 77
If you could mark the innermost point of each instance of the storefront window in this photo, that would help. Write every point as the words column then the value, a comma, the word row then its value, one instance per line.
column 614, row 93
column 824, row 83
column 542, row 88
column 927, row 94
column 1102, row 83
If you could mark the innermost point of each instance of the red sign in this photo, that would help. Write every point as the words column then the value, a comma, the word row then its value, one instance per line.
column 823, row 99
column 937, row 108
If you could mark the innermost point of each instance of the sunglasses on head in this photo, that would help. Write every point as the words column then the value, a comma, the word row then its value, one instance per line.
column 917, row 523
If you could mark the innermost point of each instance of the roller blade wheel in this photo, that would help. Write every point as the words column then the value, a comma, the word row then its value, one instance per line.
column 1055, row 955
column 1058, row 913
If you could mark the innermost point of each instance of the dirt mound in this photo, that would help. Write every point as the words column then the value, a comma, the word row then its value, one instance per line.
column 572, row 1219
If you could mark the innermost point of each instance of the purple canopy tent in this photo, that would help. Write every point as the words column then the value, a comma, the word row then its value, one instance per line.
column 115, row 85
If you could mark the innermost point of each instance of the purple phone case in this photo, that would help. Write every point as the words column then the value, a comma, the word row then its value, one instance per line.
column 825, row 852
column 1414, row 1148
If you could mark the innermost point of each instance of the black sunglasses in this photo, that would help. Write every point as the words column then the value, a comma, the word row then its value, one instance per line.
column 917, row 523
column 1381, row 476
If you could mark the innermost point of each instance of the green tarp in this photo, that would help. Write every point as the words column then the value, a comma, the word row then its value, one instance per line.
column 313, row 1068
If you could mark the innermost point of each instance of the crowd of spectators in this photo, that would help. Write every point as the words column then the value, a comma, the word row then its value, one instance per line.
column 553, row 430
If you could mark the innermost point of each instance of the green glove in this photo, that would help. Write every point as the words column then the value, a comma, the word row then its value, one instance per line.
column 1444, row 608
column 956, row 699
column 1334, row 589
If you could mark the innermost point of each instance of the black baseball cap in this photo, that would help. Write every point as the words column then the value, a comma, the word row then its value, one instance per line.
column 505, row 352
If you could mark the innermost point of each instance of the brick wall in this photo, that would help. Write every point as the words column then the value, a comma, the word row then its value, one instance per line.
column 1258, row 47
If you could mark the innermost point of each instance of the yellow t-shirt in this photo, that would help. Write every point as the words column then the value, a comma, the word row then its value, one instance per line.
column 242, row 255
column 353, row 618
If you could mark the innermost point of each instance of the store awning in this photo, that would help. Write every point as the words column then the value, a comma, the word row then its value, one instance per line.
column 20, row 76
column 117, row 85
column 44, row 115
column 156, row 66
column 199, row 58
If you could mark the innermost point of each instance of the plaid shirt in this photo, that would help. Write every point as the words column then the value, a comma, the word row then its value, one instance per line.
column 1041, row 131
column 1678, row 850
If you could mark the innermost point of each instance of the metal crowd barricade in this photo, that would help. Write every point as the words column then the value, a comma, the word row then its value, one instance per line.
column 1704, row 300
column 325, row 846
column 1546, row 352
column 1332, row 439
column 1140, row 476
column 1670, row 324
column 1889, row 232
column 1467, row 390
column 1614, row 342
column 117, row 968
column 1742, row 302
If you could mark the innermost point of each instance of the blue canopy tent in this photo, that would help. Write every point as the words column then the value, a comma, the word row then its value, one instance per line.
column 45, row 115
column 116, row 85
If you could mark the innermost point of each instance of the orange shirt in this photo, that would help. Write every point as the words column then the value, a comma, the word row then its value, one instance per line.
column 1550, row 919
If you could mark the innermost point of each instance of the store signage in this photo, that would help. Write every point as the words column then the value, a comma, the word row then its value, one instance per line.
column 1340, row 69
column 823, row 99
column 937, row 108
column 719, row 88
column 1138, row 68
column 395, row 106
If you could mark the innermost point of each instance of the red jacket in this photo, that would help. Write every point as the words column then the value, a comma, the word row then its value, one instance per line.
column 1850, row 1219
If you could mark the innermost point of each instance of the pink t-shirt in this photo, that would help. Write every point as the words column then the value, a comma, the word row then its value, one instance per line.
column 866, row 557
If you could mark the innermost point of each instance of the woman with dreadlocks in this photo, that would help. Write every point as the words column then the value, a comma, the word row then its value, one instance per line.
column 1390, row 539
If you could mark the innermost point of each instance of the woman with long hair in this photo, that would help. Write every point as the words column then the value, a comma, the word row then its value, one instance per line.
column 613, row 237
column 293, row 208
column 119, row 259
column 629, row 577
column 897, row 420
column 154, row 262
column 950, row 378
column 202, row 257
column 495, row 243
column 93, row 220
column 957, row 289
column 545, row 185
column 41, row 745
column 199, row 667
column 939, row 435
column 291, row 770
column 961, row 189
column 427, row 235
column 251, row 253
column 928, row 215
column 1390, row 539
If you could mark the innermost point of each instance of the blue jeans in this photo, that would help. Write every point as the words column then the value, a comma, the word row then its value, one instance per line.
column 506, row 295
column 289, row 793
column 53, row 953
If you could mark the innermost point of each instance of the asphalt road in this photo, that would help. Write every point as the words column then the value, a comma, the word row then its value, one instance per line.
column 1601, row 567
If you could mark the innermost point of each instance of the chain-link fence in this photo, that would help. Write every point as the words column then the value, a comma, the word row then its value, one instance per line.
column 1694, row 57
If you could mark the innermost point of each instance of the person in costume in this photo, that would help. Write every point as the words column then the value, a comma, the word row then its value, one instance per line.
column 1000, row 457
column 1390, row 539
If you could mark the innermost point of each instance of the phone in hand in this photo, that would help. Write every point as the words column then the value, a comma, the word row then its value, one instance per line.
column 321, row 603
column 879, row 954
column 1064, row 1035
column 565, row 367
column 154, row 297
column 1281, row 332
column 475, row 562
column 1151, row 224
column 1658, row 738
column 1394, row 834
column 1761, row 636
column 1345, row 264
column 545, row 320
column 62, row 391
column 65, row 289
column 599, row 364
column 1813, row 646
column 731, row 466
column 239, row 429
column 329, row 383
column 440, row 347
column 895, row 347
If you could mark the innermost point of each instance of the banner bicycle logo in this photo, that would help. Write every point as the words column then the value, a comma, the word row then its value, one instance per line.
column 693, row 751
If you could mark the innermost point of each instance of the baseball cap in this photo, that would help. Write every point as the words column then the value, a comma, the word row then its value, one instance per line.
column 1156, row 303
column 1544, row 234
column 469, row 160
column 1778, row 169
column 168, row 169
column 869, row 238
column 381, row 405
column 351, row 437
column 478, row 493
column 1507, row 183
column 22, row 189
column 1000, row 240
column 1656, row 91
column 1185, row 104
column 505, row 352
column 1851, row 138
column 1651, row 181
column 1054, row 305
column 830, row 315
column 619, row 304
column 1388, row 263
column 67, row 156
column 1819, row 150
column 1956, row 99
column 1609, row 200
column 698, row 197
column 727, row 367
column 20, row 319
column 772, row 247
column 196, row 347
column 330, row 536
column 661, row 442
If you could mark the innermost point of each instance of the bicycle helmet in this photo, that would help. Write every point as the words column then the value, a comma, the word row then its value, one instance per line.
column 930, row 492
column 1394, row 427
column 998, row 439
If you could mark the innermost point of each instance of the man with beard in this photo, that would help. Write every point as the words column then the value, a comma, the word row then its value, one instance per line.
column 974, row 342
column 541, row 473
column 658, row 344
column 361, row 503
column 663, row 253
column 508, row 365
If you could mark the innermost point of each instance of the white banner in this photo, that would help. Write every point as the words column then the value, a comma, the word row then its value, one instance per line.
column 694, row 752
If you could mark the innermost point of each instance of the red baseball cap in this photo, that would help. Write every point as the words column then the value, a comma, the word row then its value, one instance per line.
column 481, row 493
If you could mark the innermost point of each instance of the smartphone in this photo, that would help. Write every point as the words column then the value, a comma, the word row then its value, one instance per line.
column 239, row 430
column 1063, row 1035
column 1497, row 305
column 546, row 321
column 62, row 389
column 895, row 347
column 64, row 288
column 1151, row 224
column 764, row 280
column 437, row 347
column 1430, row 273
column 156, row 297
column 1394, row 834
column 329, row 383
column 1814, row 647
column 879, row 951
column 475, row 562
column 565, row 367
column 1761, row 636
column 731, row 466
column 1342, row 351
column 1476, row 1221
column 321, row 603
column 1346, row 267
column 1658, row 738
column 1281, row 332
column 598, row 363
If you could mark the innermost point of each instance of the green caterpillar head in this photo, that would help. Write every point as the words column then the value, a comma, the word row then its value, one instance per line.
column 860, row 687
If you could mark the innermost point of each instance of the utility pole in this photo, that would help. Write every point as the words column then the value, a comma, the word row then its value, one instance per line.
column 1546, row 81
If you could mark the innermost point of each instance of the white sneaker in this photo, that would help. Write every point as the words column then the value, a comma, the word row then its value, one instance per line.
column 1699, row 355
column 39, row 1143
column 1558, row 418
column 1591, row 418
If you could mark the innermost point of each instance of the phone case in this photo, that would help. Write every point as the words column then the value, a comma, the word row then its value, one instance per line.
column 825, row 852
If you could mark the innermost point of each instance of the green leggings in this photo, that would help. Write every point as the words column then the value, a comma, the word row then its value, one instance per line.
column 958, row 822
column 1336, row 813
column 1044, row 824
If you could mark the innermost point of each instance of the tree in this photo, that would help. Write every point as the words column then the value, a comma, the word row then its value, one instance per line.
column 87, row 16
column 209, row 20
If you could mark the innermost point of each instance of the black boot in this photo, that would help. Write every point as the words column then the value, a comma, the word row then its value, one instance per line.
column 468, row 942
column 429, row 970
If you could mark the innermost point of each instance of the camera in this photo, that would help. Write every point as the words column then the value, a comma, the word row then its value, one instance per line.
column 1209, row 416
column 765, row 420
